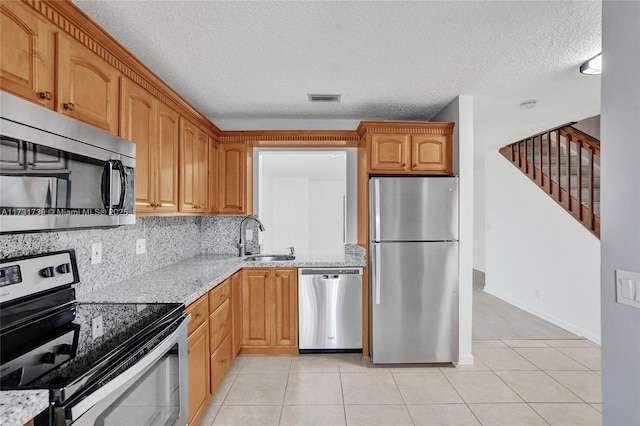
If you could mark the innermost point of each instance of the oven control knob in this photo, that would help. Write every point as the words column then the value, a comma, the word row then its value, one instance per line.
column 48, row 358
column 47, row 272
column 64, row 349
column 65, row 268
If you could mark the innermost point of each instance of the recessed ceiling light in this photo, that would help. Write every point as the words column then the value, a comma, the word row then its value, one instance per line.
column 593, row 66
column 315, row 97
column 528, row 104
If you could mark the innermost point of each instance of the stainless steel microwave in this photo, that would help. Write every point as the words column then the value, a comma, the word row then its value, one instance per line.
column 59, row 173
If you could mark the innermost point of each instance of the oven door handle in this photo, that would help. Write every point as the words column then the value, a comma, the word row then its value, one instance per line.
column 136, row 370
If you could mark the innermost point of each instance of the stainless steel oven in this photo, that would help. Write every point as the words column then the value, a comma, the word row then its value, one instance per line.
column 58, row 173
column 103, row 364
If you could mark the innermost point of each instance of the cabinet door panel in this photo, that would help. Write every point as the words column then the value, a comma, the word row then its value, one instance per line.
column 213, row 176
column 188, row 155
column 87, row 86
column 199, row 376
column 219, row 325
column 256, row 307
column 26, row 54
column 232, row 160
column 285, row 321
column 199, row 311
column 389, row 152
column 236, row 299
column 431, row 153
column 138, row 125
column 220, row 362
column 168, row 129
column 202, row 180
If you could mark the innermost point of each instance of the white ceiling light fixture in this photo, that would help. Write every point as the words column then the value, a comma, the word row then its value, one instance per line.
column 528, row 104
column 593, row 66
column 316, row 97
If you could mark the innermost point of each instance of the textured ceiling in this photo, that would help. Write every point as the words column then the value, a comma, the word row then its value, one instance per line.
column 391, row 60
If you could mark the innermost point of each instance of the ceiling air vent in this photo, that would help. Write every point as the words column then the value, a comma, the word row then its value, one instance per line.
column 323, row 98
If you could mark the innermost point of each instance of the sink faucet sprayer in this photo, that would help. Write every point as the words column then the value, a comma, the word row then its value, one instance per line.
column 243, row 232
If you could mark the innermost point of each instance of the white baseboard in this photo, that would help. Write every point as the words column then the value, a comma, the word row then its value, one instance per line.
column 465, row 359
column 596, row 338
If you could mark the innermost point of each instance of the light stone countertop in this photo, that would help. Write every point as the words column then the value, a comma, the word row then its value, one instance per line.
column 18, row 407
column 182, row 282
column 189, row 279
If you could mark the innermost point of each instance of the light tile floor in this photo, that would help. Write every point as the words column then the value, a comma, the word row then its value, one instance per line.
column 513, row 382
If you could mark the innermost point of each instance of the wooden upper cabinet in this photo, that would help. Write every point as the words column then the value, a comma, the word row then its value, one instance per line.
column 166, row 164
column 202, row 189
column 285, row 293
column 154, row 128
column 232, row 179
column 26, row 54
column 214, row 149
column 87, row 86
column 390, row 152
column 431, row 153
column 194, row 158
column 138, row 125
column 408, row 147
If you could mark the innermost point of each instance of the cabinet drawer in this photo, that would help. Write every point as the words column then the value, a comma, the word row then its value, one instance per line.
column 218, row 295
column 219, row 324
column 199, row 311
column 220, row 362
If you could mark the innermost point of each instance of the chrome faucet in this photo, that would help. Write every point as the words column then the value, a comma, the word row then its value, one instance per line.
column 243, row 232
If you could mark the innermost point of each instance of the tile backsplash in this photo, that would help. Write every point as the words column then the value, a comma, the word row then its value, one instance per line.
column 168, row 240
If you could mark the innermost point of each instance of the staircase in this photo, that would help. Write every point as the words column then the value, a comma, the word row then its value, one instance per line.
column 565, row 163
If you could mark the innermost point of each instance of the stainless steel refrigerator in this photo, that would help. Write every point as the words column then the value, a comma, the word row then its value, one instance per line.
column 413, row 269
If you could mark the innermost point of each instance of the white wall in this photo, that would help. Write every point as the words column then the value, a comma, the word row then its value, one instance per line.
column 479, row 218
column 460, row 111
column 620, row 127
column 538, row 257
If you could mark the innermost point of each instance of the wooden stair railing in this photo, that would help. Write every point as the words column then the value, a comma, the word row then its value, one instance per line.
column 565, row 163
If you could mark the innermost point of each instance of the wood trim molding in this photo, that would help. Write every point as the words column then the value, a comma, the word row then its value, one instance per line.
column 71, row 20
column 407, row 127
column 292, row 138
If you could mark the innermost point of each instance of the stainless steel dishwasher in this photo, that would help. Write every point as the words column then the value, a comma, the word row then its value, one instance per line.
column 330, row 309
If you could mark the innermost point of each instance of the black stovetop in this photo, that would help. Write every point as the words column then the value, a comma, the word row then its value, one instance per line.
column 126, row 328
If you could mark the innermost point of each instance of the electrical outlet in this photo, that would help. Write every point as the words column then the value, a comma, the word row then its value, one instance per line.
column 97, row 328
column 249, row 235
column 96, row 253
column 141, row 246
column 140, row 305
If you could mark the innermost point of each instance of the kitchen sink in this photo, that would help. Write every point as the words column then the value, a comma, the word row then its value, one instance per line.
column 270, row 258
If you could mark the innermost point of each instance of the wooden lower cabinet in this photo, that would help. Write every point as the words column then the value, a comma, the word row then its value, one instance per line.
column 269, row 311
column 221, row 360
column 257, row 306
column 236, row 312
column 255, row 311
column 285, row 296
column 199, row 387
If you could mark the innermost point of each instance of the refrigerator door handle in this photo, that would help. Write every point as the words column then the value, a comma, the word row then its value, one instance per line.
column 377, row 273
column 376, row 204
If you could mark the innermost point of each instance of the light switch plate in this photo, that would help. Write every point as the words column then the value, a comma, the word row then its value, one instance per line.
column 627, row 288
column 249, row 235
column 97, row 328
